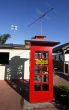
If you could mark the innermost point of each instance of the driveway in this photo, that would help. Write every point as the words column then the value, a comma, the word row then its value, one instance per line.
column 10, row 99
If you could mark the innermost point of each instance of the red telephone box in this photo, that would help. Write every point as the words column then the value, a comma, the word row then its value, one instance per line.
column 41, row 71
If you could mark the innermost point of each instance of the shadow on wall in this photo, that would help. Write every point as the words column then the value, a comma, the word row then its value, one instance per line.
column 14, row 76
column 15, row 69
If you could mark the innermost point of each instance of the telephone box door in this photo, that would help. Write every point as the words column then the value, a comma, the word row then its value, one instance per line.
column 41, row 77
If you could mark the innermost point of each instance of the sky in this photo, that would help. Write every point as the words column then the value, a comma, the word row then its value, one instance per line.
column 55, row 25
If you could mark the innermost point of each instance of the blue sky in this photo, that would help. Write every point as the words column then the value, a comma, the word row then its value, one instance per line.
column 23, row 12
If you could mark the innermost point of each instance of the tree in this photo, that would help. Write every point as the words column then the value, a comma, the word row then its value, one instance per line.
column 4, row 38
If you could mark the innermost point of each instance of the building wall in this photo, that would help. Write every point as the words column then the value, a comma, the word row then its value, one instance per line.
column 67, row 57
column 58, row 59
column 18, row 67
column 61, row 62
column 66, row 63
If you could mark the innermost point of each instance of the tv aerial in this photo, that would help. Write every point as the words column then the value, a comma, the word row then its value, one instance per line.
column 40, row 17
column 14, row 27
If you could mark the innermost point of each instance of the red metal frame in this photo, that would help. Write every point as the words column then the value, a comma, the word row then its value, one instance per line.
column 41, row 96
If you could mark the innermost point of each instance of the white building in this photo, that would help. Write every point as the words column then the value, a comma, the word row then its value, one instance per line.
column 14, row 61
column 61, row 58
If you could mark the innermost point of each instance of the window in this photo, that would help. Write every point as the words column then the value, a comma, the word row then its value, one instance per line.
column 37, row 69
column 45, row 87
column 4, row 58
column 37, row 54
column 44, row 54
column 44, row 78
column 44, row 70
column 37, row 87
column 37, row 79
column 41, row 77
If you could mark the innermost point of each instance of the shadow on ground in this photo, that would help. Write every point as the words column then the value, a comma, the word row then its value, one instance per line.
column 61, row 95
column 66, row 77
column 21, row 87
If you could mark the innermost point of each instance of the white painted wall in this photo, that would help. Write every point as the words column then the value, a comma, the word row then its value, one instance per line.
column 18, row 67
column 66, row 57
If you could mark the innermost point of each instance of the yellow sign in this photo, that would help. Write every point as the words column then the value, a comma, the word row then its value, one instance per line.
column 41, row 62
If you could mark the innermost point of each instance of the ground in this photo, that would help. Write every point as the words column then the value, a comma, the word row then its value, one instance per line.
column 11, row 99
column 61, row 79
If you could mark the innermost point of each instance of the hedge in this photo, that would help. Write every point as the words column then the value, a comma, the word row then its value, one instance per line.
column 61, row 94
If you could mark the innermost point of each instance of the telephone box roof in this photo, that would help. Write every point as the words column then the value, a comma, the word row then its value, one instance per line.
column 42, row 42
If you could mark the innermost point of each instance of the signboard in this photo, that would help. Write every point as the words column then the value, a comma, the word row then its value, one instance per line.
column 41, row 62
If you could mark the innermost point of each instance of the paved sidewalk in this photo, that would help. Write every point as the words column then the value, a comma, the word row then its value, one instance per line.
column 60, row 79
column 11, row 100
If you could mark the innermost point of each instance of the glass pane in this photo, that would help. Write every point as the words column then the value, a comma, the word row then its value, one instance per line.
column 37, row 87
column 37, row 78
column 44, row 78
column 44, row 70
column 37, row 69
column 37, row 54
column 45, row 87
column 44, row 54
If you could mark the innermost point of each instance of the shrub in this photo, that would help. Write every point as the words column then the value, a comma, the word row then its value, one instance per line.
column 61, row 94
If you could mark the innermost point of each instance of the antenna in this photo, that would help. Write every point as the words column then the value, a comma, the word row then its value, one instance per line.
column 43, row 15
column 14, row 27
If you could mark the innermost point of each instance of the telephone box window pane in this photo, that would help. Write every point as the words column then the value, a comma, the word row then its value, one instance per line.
column 37, row 87
column 37, row 69
column 45, row 87
column 44, row 78
column 44, row 54
column 37, row 54
column 44, row 70
column 37, row 78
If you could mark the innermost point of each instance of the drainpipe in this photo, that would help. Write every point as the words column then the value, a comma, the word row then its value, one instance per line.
column 64, row 61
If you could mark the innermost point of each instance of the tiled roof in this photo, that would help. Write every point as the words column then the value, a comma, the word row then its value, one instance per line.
column 12, row 46
column 61, row 47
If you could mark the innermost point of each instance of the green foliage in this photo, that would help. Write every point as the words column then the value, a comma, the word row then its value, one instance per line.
column 4, row 38
column 61, row 94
